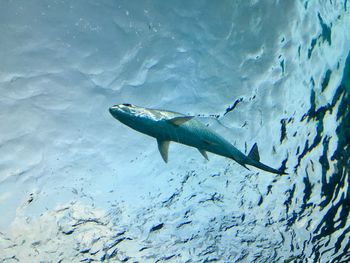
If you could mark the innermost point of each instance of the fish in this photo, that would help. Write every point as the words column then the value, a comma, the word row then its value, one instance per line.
column 169, row 126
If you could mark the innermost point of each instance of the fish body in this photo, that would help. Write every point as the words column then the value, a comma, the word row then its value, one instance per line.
column 167, row 126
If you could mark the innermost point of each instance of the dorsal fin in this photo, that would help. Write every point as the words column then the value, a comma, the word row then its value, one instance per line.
column 163, row 147
column 254, row 153
column 208, row 142
column 204, row 153
column 180, row 120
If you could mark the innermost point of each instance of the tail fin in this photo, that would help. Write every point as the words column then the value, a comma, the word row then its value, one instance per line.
column 253, row 159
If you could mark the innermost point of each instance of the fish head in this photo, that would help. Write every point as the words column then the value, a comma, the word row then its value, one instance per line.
column 121, row 111
column 127, row 112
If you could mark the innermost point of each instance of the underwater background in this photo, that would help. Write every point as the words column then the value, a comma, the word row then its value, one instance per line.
column 78, row 186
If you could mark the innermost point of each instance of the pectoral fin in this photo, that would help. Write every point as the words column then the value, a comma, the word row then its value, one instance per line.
column 177, row 121
column 163, row 147
column 254, row 153
column 204, row 153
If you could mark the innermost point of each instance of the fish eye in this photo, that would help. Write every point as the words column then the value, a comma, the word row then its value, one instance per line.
column 127, row 105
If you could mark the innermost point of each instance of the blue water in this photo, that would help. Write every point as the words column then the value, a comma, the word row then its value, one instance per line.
column 78, row 186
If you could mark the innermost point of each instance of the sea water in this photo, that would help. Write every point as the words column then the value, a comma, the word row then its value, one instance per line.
column 78, row 186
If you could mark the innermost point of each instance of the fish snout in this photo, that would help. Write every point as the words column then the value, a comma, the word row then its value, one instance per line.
column 114, row 110
column 121, row 110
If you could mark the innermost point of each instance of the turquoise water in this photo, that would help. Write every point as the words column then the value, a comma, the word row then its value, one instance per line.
column 78, row 186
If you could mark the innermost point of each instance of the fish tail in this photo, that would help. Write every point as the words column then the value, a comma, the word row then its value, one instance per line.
column 253, row 159
column 265, row 167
